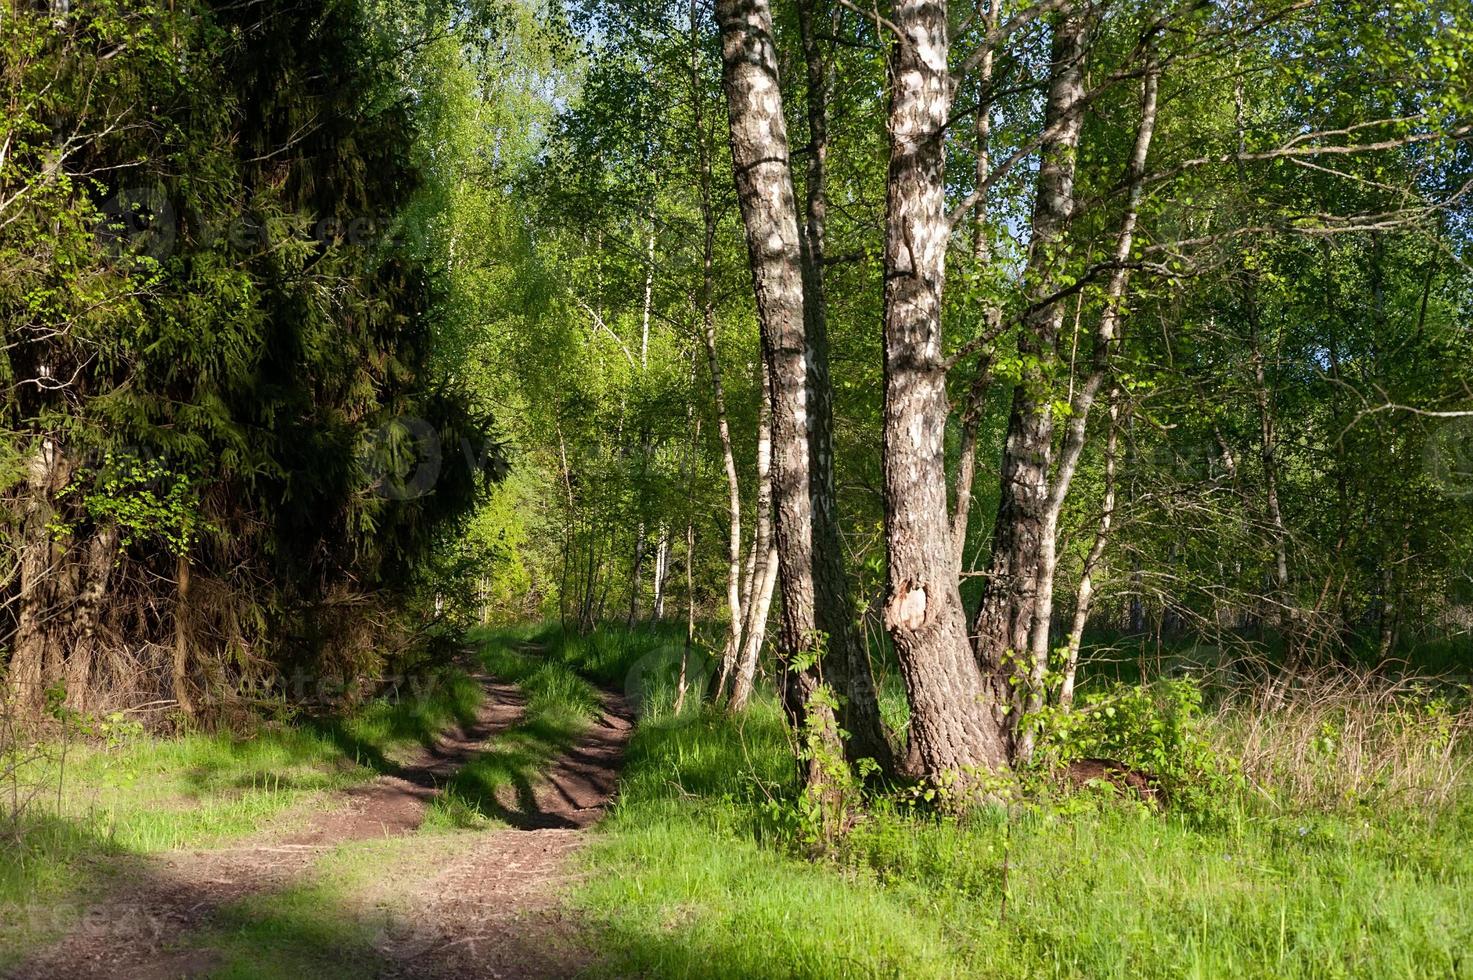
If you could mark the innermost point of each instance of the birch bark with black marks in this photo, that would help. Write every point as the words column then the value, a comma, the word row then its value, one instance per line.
column 1005, row 617
column 847, row 666
column 763, row 575
column 764, row 184
column 954, row 724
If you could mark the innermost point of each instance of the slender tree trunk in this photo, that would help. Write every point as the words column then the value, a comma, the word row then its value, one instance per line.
column 180, row 666
column 1281, row 611
column 954, row 724
column 769, row 209
column 734, row 504
column 102, row 548
column 662, row 569
column 976, row 400
column 1268, row 437
column 848, row 666
column 763, row 575
column 1085, row 595
column 731, row 648
column 649, row 296
column 1106, row 339
column 1005, row 617
column 636, row 576
column 683, row 681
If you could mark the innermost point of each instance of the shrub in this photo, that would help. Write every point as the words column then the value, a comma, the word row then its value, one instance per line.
column 1158, row 728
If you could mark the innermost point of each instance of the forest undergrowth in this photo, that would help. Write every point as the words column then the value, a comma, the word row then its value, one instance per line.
column 1308, row 830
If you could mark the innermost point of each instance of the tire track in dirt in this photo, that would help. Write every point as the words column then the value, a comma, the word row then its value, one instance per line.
column 159, row 898
column 493, row 910
column 496, row 910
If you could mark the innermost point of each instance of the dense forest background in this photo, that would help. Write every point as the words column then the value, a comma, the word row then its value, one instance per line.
column 329, row 327
column 736, row 488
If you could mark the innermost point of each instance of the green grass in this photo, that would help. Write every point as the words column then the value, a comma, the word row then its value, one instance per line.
column 688, row 878
column 145, row 794
column 692, row 874
column 560, row 706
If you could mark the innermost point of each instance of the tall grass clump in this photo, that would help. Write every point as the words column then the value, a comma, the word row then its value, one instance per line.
column 1349, row 737
column 1272, row 856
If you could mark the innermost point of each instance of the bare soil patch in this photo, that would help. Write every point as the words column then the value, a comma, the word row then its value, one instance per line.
column 492, row 908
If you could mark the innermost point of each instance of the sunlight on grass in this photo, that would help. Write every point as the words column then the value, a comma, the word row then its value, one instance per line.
column 688, row 878
column 149, row 794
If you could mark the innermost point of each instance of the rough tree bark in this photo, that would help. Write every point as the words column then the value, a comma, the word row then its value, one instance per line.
column 860, row 709
column 101, row 555
column 45, row 474
column 769, row 209
column 1005, row 617
column 954, row 724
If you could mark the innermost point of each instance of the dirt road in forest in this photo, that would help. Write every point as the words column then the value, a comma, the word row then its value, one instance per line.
column 488, row 906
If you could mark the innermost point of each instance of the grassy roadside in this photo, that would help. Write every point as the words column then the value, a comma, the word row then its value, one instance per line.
column 145, row 794
column 688, row 878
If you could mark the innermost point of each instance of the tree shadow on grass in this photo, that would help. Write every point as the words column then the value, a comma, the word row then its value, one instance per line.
column 501, row 782
column 154, row 924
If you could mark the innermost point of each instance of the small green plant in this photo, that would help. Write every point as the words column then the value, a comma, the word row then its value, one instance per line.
column 1158, row 728
column 142, row 498
column 832, row 793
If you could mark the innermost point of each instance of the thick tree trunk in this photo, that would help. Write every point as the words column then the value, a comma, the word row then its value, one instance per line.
column 38, row 575
column 102, row 549
column 764, row 184
column 1005, row 617
column 848, row 666
column 954, row 722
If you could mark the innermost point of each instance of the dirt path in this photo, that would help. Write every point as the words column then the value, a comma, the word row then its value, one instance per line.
column 489, row 907
column 496, row 910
